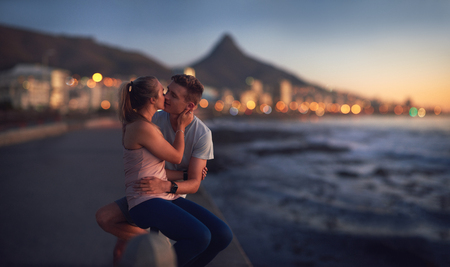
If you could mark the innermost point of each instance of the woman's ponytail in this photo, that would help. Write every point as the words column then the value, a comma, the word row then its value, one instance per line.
column 134, row 95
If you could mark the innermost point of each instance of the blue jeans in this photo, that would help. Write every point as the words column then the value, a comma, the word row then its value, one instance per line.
column 198, row 233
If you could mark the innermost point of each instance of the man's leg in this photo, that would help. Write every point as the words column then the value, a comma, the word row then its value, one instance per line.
column 112, row 220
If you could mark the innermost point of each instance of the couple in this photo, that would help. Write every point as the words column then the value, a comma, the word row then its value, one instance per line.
column 153, row 140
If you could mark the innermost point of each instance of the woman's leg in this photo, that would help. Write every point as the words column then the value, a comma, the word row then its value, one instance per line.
column 192, row 236
column 221, row 234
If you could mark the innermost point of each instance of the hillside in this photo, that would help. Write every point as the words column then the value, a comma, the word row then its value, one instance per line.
column 83, row 56
column 226, row 66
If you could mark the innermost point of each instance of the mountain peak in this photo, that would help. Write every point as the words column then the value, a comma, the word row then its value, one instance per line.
column 226, row 46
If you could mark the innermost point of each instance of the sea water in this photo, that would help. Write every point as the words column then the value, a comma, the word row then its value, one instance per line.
column 317, row 194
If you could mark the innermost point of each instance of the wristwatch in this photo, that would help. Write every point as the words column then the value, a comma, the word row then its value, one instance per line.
column 173, row 188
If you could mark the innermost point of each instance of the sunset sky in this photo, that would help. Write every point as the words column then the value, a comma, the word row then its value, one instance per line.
column 389, row 49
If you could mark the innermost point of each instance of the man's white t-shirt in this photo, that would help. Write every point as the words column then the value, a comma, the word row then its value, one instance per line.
column 197, row 140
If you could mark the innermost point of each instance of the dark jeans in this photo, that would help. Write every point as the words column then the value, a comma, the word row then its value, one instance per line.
column 198, row 233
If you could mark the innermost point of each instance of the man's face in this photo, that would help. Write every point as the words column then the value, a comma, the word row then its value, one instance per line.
column 175, row 99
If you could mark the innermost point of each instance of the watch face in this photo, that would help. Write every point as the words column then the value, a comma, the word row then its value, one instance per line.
column 174, row 188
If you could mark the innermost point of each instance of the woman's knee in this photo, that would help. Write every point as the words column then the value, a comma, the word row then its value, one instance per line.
column 108, row 216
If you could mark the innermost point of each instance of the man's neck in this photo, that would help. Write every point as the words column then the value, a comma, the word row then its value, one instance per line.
column 173, row 121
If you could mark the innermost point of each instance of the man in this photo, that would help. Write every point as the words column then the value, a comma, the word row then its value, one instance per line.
column 184, row 91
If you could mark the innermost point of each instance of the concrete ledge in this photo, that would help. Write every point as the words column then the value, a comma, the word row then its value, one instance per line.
column 16, row 136
column 233, row 255
column 20, row 135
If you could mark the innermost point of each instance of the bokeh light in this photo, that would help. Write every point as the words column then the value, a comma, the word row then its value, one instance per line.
column 108, row 82
column 398, row 110
column 293, row 105
column 356, row 109
column 236, row 104
column 281, row 106
column 219, row 105
column 249, row 80
column 303, row 108
column 91, row 83
column 313, row 106
column 421, row 112
column 437, row 110
column 234, row 111
column 413, row 112
column 345, row 109
column 369, row 110
column 97, row 77
column 320, row 111
column 203, row 103
column 105, row 104
column 26, row 85
column 384, row 108
column 251, row 105
column 266, row 109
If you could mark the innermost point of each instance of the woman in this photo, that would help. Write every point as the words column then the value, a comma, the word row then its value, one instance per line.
column 145, row 151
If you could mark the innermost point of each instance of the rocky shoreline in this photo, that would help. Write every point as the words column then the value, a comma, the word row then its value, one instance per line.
column 304, row 215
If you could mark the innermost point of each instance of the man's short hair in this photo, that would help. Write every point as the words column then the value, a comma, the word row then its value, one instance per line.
column 193, row 86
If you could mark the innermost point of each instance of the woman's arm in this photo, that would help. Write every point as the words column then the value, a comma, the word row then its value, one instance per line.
column 149, row 136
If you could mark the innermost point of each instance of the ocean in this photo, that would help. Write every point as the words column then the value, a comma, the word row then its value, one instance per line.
column 340, row 191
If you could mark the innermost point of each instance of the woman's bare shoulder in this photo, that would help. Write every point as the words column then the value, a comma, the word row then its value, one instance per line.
column 141, row 126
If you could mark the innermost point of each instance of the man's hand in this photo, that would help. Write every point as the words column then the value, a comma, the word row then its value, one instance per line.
column 152, row 185
column 204, row 172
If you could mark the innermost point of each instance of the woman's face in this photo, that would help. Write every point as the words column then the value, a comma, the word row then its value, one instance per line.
column 159, row 104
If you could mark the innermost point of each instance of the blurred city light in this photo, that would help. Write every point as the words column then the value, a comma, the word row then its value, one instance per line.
column 303, row 108
column 413, row 112
column 437, row 110
column 398, row 110
column 250, row 80
column 421, row 112
column 219, row 105
column 345, row 109
column 266, row 109
column 369, row 110
column 356, row 109
column 313, row 106
column 91, row 83
column 293, row 105
column 236, row 104
column 108, row 82
column 97, row 77
column 234, row 111
column 320, row 111
column 105, row 104
column 203, row 103
column 251, row 105
column 280, row 106
column 384, row 108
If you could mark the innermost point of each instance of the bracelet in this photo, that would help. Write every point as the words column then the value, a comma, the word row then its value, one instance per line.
column 179, row 131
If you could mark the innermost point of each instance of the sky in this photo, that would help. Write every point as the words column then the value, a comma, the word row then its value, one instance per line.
column 392, row 50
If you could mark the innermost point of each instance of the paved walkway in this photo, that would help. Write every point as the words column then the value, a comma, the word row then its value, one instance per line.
column 51, row 189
